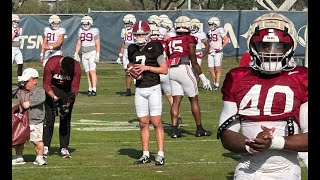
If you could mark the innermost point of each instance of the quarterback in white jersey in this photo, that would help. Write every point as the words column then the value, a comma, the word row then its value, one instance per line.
column 127, row 39
column 89, row 42
column 53, row 39
column 16, row 53
column 218, row 40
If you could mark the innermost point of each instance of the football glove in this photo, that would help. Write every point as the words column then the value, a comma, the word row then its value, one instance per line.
column 119, row 61
column 205, row 82
column 97, row 58
column 76, row 57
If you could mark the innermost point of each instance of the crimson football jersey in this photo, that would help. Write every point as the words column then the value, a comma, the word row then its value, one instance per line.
column 264, row 98
column 147, row 56
column 178, row 46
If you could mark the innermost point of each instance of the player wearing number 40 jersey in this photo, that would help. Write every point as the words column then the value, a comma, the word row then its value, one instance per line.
column 89, row 42
column 52, row 40
column 267, row 103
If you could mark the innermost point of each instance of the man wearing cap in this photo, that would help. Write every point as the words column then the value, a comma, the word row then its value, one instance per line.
column 32, row 99
column 61, row 80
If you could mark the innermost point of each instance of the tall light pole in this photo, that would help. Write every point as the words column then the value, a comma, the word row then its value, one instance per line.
column 189, row 4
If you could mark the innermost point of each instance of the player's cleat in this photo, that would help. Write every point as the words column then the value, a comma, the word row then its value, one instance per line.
column 18, row 161
column 175, row 133
column 65, row 153
column 128, row 93
column 45, row 151
column 144, row 159
column 179, row 122
column 159, row 160
column 216, row 88
column 89, row 93
column 93, row 93
column 202, row 132
column 40, row 161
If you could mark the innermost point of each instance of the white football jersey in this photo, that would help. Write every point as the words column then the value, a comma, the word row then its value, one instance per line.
column 216, row 37
column 88, row 37
column 127, row 37
column 200, row 36
column 53, row 35
column 16, row 40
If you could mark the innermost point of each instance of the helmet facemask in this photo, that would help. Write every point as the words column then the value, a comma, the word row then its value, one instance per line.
column 194, row 29
column 86, row 26
column 272, row 49
column 15, row 23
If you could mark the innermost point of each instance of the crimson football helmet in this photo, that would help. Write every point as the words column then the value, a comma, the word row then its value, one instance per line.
column 54, row 22
column 141, row 33
column 15, row 20
column 271, row 42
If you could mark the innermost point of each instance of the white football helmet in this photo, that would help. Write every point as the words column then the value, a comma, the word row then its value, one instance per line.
column 154, row 19
column 195, row 25
column 155, row 33
column 54, row 21
column 138, row 29
column 213, row 23
column 86, row 22
column 15, row 20
column 168, row 24
column 272, row 39
column 128, row 21
column 182, row 24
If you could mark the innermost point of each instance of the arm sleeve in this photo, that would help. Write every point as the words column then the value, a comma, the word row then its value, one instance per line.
column 229, row 109
column 303, row 117
column 47, row 77
column 76, row 78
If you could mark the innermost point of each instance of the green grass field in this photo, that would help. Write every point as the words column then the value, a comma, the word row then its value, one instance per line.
column 105, row 139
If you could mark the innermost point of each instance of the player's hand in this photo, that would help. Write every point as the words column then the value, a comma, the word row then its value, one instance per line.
column 119, row 61
column 140, row 68
column 262, row 141
column 41, row 58
column 97, row 58
column 77, row 57
column 205, row 82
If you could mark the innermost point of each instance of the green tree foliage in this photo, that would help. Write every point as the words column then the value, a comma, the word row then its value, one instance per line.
column 32, row 7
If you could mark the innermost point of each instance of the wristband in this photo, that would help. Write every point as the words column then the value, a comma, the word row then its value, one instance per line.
column 120, row 54
column 50, row 47
column 249, row 150
column 55, row 97
column 202, row 77
column 41, row 54
column 277, row 143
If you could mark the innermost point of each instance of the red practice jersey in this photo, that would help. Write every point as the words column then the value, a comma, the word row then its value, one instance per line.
column 266, row 97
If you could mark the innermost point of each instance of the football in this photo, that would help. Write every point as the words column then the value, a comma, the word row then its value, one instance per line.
column 133, row 72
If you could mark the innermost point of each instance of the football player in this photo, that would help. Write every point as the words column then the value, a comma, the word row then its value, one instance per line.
column 148, row 59
column 218, row 40
column 16, row 53
column 265, row 105
column 202, row 39
column 127, row 39
column 181, row 55
column 52, row 40
column 162, row 29
column 164, row 78
column 89, row 42
column 171, row 32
